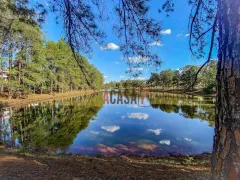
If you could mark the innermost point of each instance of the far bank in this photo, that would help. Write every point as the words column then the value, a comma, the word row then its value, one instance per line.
column 34, row 98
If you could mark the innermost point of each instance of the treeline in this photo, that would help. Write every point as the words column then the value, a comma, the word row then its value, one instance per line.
column 182, row 78
column 30, row 64
column 126, row 84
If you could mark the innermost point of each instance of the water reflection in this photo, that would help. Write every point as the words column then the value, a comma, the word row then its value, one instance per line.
column 112, row 123
column 51, row 125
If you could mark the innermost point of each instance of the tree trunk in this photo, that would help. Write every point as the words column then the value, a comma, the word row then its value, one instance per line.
column 20, row 59
column 226, row 148
column 10, row 69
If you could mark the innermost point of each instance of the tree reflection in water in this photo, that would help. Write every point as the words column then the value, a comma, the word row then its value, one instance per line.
column 53, row 126
column 49, row 126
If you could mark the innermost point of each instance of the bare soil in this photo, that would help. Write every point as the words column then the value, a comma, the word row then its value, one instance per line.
column 16, row 165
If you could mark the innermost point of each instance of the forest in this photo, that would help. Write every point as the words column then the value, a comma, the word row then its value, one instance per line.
column 168, row 79
column 30, row 64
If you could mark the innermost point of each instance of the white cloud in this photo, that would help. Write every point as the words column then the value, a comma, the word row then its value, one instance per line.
column 122, row 77
column 138, row 59
column 179, row 35
column 117, row 62
column 166, row 32
column 135, row 69
column 105, row 76
column 140, row 116
column 155, row 131
column 140, row 78
column 110, row 128
column 186, row 35
column 167, row 142
column 110, row 46
column 156, row 43
column 188, row 139
column 123, row 117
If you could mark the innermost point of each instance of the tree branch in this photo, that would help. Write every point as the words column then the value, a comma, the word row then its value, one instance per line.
column 192, row 23
column 209, row 54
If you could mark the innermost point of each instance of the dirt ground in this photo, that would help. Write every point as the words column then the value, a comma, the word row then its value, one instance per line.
column 34, row 98
column 16, row 165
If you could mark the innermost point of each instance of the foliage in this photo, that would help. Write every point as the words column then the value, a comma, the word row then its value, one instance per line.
column 35, row 65
column 184, row 78
column 180, row 79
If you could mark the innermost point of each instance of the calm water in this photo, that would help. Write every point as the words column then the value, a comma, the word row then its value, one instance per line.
column 112, row 123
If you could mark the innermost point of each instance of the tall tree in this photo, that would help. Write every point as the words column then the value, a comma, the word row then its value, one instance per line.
column 226, row 150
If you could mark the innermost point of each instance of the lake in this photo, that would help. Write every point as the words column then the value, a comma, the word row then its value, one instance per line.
column 113, row 123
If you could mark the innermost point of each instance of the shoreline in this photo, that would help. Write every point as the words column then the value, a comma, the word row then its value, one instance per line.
column 182, row 91
column 23, row 165
column 36, row 98
column 176, row 91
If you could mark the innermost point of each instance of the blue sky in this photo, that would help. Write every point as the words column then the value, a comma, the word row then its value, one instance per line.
column 174, row 51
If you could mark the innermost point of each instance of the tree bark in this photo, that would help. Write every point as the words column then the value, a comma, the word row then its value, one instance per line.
column 226, row 148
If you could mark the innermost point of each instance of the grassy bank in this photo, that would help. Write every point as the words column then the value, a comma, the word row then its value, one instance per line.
column 19, row 165
column 34, row 98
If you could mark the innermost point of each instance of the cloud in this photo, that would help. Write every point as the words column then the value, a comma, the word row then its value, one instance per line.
column 179, row 35
column 123, row 117
column 110, row 46
column 94, row 132
column 149, row 147
column 106, row 150
column 186, row 35
column 188, row 139
column 135, row 69
column 155, row 131
column 156, row 43
column 166, row 32
column 140, row 78
column 117, row 62
column 122, row 77
column 140, row 116
column 167, row 142
column 138, row 59
column 122, row 147
column 110, row 128
column 105, row 76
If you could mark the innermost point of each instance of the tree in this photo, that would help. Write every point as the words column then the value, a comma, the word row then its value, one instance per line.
column 176, row 78
column 154, row 79
column 227, row 133
column 187, row 75
column 166, row 77
column 207, row 77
